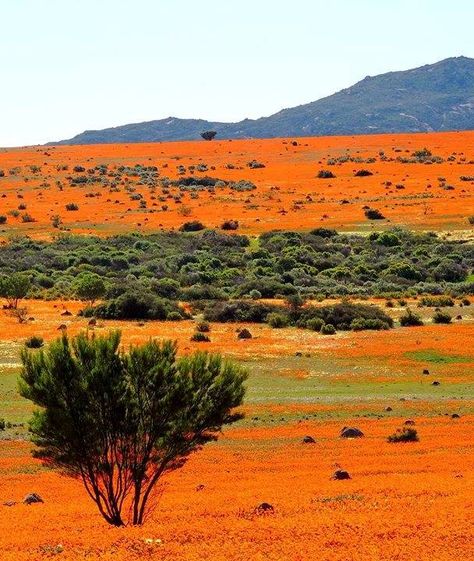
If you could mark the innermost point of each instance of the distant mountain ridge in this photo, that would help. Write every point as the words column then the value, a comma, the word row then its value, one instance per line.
column 435, row 97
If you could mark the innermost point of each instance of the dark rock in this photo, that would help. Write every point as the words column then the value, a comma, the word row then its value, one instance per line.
column 409, row 422
column 351, row 432
column 264, row 508
column 388, row 409
column 455, row 416
column 309, row 440
column 32, row 498
column 426, row 371
column 341, row 474
column 244, row 334
column 66, row 313
column 435, row 383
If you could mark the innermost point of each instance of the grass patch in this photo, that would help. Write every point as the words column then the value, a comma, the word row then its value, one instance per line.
column 437, row 357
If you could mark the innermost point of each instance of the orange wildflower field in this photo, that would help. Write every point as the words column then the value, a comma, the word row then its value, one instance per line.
column 403, row 501
column 288, row 194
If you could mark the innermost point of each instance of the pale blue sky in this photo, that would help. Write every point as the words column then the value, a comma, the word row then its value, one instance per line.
column 71, row 65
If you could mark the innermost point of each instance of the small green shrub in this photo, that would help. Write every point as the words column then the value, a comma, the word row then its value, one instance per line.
column 173, row 316
column 255, row 294
column 277, row 320
column 315, row 324
column 436, row 301
column 328, row 329
column 360, row 324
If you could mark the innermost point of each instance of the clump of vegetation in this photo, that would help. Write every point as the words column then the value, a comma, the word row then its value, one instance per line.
column 199, row 337
column 441, row 317
column 373, row 214
column 325, row 174
column 363, row 173
column 406, row 434
column 214, row 265
column 203, row 327
column 410, row 319
column 193, row 226
column 230, row 225
column 134, row 304
column 277, row 320
column 72, row 206
column 328, row 329
column 34, row 342
column 436, row 301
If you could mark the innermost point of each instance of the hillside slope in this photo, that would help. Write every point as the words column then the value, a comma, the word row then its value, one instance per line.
column 436, row 97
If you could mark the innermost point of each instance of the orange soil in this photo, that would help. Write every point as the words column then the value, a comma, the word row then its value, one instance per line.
column 288, row 194
column 404, row 501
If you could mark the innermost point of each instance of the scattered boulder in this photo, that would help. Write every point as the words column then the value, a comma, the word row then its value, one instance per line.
column 455, row 416
column 264, row 508
column 32, row 498
column 426, row 371
column 388, row 408
column 341, row 474
column 244, row 334
column 435, row 383
column 409, row 422
column 66, row 313
column 200, row 487
column 351, row 432
column 309, row 440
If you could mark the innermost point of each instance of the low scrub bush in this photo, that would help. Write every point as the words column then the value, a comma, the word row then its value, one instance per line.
column 441, row 317
column 328, row 329
column 406, row 434
column 34, row 342
column 325, row 174
column 410, row 319
column 199, row 337
column 277, row 320
column 192, row 226
column 436, row 301
column 240, row 310
column 136, row 305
